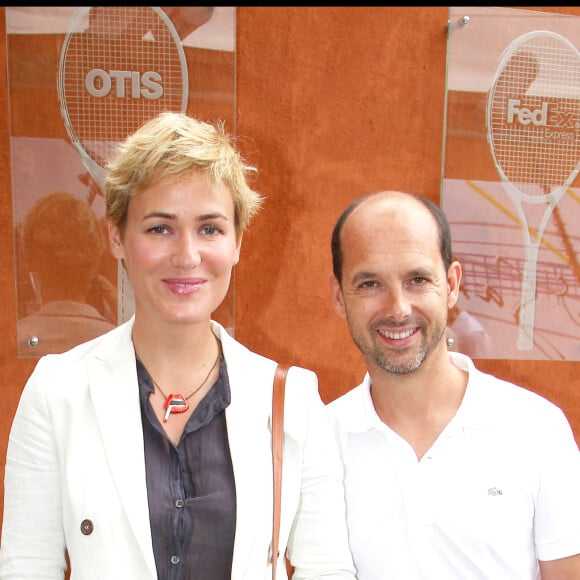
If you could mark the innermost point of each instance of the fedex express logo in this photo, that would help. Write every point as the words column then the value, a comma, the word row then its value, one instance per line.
column 548, row 116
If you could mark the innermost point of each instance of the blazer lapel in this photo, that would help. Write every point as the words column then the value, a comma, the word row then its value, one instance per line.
column 115, row 395
column 248, row 422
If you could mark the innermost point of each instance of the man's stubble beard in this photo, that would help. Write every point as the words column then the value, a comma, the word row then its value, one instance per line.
column 398, row 362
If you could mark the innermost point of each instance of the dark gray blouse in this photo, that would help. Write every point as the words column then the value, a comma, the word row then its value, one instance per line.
column 191, row 488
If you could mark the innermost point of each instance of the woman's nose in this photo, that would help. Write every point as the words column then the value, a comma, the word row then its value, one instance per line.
column 186, row 252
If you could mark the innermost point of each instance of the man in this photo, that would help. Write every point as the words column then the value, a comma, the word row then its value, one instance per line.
column 450, row 473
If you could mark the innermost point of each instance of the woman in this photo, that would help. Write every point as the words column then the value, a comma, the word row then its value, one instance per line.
column 146, row 453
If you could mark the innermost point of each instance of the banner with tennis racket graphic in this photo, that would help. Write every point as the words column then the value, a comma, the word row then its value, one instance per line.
column 118, row 67
column 511, row 165
column 81, row 80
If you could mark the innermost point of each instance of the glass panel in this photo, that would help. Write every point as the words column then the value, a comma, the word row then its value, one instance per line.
column 509, row 188
column 80, row 80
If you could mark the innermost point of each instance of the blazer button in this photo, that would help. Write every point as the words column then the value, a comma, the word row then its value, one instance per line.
column 87, row 527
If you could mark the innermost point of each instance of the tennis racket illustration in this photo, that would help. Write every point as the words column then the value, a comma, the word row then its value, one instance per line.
column 119, row 67
column 533, row 129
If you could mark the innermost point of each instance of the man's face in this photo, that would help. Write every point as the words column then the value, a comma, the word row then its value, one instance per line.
column 395, row 290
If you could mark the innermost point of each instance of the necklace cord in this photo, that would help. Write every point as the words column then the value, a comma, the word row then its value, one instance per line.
column 197, row 388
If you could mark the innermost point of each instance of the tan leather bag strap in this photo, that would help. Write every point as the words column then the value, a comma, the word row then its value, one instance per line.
column 277, row 450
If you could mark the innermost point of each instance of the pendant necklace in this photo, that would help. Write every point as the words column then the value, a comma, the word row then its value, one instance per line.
column 177, row 403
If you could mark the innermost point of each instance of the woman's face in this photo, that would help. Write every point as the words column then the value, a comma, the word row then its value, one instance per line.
column 179, row 246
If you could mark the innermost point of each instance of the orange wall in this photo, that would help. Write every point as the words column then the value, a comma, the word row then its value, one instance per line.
column 332, row 103
column 338, row 102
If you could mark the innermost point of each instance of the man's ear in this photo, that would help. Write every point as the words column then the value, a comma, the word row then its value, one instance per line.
column 336, row 296
column 116, row 241
column 453, row 284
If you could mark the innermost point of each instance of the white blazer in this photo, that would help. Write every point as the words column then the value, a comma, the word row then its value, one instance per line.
column 75, row 453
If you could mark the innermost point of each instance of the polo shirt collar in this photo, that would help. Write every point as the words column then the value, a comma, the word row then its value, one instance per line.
column 474, row 412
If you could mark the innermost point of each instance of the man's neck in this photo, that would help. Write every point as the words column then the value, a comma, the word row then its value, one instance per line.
column 419, row 405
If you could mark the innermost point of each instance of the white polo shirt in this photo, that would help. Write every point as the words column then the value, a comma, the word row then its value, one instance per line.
column 498, row 490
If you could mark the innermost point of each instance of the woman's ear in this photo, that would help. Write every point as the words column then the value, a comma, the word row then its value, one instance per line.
column 238, row 249
column 116, row 240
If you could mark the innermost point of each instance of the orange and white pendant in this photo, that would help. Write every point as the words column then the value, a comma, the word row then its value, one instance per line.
column 175, row 404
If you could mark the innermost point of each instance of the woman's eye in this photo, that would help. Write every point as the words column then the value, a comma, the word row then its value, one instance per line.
column 161, row 229
column 209, row 230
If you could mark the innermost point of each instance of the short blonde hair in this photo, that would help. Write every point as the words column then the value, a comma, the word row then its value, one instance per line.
column 174, row 145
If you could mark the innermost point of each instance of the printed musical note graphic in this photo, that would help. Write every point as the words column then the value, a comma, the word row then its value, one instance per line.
column 487, row 241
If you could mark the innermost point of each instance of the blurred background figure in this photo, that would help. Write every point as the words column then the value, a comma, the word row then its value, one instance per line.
column 63, row 245
column 470, row 336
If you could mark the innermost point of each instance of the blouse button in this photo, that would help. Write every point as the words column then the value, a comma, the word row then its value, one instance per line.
column 179, row 503
column 175, row 559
